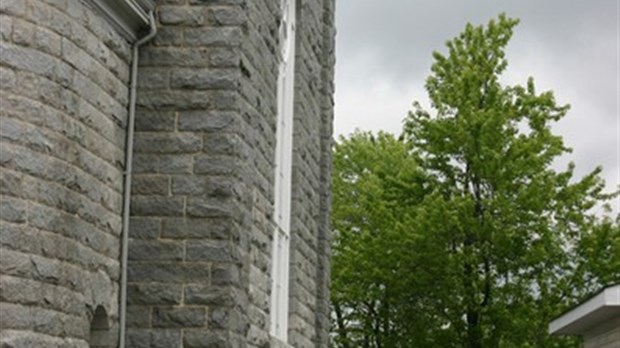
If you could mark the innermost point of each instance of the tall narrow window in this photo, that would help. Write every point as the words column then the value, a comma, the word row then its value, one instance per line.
column 283, row 171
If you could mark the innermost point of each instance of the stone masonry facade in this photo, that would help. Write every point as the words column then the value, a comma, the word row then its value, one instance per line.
column 202, row 197
column 64, row 75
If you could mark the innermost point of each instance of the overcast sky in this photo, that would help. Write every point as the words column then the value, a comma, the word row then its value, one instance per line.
column 383, row 52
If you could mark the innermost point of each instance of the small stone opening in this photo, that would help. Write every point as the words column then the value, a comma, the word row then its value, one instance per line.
column 100, row 329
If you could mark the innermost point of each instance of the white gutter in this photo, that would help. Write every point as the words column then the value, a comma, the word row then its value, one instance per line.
column 128, row 171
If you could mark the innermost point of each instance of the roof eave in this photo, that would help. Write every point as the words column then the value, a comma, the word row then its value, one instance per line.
column 599, row 309
column 129, row 17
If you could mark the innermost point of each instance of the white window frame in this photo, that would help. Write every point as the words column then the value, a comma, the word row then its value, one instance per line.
column 283, row 174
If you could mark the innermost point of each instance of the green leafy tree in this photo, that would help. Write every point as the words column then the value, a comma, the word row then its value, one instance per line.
column 513, row 226
column 375, row 184
column 461, row 233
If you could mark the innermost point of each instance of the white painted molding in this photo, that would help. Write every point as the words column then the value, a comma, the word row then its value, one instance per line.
column 129, row 17
column 601, row 308
column 279, row 312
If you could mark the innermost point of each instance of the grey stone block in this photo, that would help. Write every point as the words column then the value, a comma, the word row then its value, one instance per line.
column 18, row 290
column 143, row 250
column 224, row 57
column 6, row 27
column 145, row 163
column 178, row 99
column 212, row 251
column 47, row 270
column 212, row 121
column 15, row 263
column 225, row 274
column 20, row 237
column 225, row 100
column 154, row 294
column 227, row 319
column 189, row 185
column 177, row 15
column 222, row 186
column 226, row 144
column 213, row 36
column 15, row 317
column 199, row 228
column 72, row 203
column 205, row 207
column 12, row 209
column 206, row 339
column 149, row 338
column 144, row 228
column 10, row 182
column 150, row 185
column 7, row 79
column 23, row 32
column 179, row 317
column 153, row 78
column 141, row 339
column 197, row 294
column 230, row 15
column 204, row 79
column 65, row 174
column 157, row 205
column 176, row 164
column 138, row 316
column 168, row 36
column 154, row 121
column 217, row 165
column 47, row 41
column 174, row 56
column 13, row 7
column 21, row 132
column 166, row 272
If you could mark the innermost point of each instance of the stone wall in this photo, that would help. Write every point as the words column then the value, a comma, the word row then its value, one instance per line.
column 190, row 198
column 203, row 187
column 310, row 230
column 63, row 74
column 309, row 265
column 202, row 207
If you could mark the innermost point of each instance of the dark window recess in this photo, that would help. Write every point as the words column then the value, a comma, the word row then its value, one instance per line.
column 100, row 330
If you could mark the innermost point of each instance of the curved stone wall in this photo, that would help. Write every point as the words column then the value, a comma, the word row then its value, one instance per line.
column 63, row 74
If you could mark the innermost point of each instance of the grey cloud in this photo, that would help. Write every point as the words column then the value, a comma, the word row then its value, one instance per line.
column 569, row 46
column 406, row 32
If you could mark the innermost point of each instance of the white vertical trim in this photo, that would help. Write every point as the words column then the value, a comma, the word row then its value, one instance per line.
column 283, row 174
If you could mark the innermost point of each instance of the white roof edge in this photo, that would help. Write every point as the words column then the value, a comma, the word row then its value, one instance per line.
column 612, row 296
column 127, row 16
column 609, row 297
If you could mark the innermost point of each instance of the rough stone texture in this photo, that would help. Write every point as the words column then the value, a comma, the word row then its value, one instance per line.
column 203, row 186
column 311, row 206
column 63, row 101
column 189, row 200
column 309, row 261
column 203, row 198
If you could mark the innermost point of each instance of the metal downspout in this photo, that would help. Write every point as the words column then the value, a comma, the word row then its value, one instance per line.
column 128, row 171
